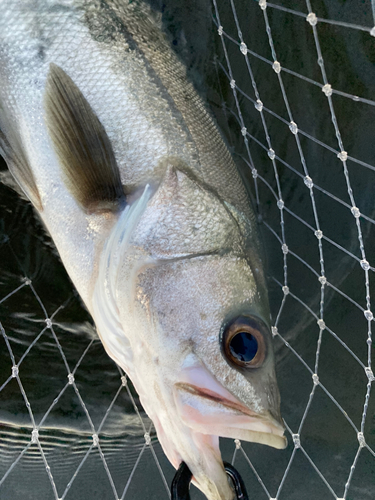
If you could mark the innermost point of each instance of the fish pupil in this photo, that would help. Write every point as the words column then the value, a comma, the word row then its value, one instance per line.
column 244, row 346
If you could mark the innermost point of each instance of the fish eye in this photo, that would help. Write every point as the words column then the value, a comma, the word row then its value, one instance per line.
column 243, row 342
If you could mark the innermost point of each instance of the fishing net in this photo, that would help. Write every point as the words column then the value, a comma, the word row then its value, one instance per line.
column 292, row 87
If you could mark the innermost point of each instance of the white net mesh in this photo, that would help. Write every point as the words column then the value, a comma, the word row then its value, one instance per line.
column 294, row 93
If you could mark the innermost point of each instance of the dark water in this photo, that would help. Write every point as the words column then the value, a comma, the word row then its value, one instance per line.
column 328, row 439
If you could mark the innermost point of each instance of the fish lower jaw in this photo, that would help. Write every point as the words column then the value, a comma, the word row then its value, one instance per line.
column 253, row 430
column 207, row 420
column 208, row 473
column 201, row 453
column 214, row 484
column 267, row 438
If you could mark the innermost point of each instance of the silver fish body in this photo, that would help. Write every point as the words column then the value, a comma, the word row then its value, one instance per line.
column 111, row 143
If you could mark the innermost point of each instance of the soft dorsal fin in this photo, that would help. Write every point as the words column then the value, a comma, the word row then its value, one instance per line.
column 82, row 145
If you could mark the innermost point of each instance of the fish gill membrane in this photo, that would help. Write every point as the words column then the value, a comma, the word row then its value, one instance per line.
column 150, row 217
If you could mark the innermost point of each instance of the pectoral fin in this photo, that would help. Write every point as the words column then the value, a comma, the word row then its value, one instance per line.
column 85, row 152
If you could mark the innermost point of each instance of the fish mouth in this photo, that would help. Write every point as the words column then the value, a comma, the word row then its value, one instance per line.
column 205, row 410
column 215, row 411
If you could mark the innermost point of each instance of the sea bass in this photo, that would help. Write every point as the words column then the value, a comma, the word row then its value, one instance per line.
column 109, row 140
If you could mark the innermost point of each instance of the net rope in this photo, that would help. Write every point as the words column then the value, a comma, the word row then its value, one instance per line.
column 36, row 427
column 343, row 156
column 268, row 188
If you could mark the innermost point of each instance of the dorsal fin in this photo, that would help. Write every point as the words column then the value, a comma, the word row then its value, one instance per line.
column 12, row 150
column 82, row 145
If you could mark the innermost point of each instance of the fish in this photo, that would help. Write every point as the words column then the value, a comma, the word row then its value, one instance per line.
column 105, row 134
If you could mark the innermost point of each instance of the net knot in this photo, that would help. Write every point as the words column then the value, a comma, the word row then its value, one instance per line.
column 274, row 331
column 271, row 153
column 308, row 182
column 315, row 379
column 365, row 265
column 95, row 439
column 322, row 280
column 327, row 89
column 243, row 48
column 312, row 19
column 244, row 131
column 220, row 30
column 124, row 381
column 263, row 4
column 361, row 439
column 296, row 440
column 34, row 436
column 370, row 374
column 254, row 173
column 276, row 66
column 343, row 155
column 258, row 105
column 237, row 442
column 319, row 234
column 147, row 438
column 15, row 371
column 71, row 378
column 293, row 127
column 355, row 211
column 232, row 84
column 284, row 248
column 285, row 290
column 280, row 204
column 368, row 315
column 321, row 324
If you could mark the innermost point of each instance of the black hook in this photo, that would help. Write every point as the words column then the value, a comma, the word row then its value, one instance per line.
column 239, row 485
column 181, row 482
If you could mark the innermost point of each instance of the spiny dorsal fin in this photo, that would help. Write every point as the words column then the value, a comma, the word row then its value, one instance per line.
column 82, row 145
column 12, row 150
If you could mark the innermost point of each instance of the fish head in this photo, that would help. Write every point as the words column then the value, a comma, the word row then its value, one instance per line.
column 192, row 302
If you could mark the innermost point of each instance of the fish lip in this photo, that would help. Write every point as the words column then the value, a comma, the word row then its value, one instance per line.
column 276, row 427
column 214, row 396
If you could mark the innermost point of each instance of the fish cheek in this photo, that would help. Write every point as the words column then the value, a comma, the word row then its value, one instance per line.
column 159, row 287
column 187, row 317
